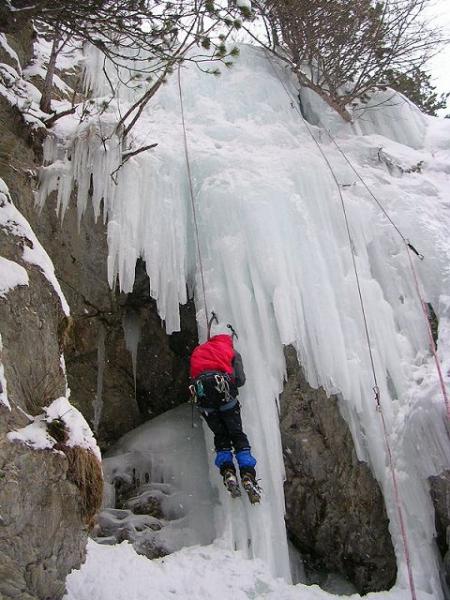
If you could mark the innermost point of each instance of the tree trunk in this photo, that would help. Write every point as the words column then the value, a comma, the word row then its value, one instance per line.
column 46, row 98
column 335, row 105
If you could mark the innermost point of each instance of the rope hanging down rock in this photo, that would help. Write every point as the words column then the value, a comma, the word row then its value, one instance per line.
column 192, row 196
column 376, row 389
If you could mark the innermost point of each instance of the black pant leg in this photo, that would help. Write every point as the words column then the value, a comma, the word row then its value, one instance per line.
column 222, row 438
column 233, row 423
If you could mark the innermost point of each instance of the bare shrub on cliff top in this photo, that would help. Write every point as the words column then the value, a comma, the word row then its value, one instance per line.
column 343, row 49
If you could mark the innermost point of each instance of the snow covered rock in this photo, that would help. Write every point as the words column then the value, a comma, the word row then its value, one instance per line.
column 41, row 515
column 41, row 510
column 162, row 500
column 42, row 532
column 334, row 507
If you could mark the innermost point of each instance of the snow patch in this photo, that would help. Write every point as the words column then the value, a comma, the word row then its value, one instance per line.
column 79, row 432
column 34, row 435
column 11, row 276
column 3, row 388
column 7, row 48
column 33, row 253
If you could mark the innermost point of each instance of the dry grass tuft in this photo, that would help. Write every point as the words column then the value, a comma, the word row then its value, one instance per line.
column 85, row 472
column 65, row 329
column 41, row 392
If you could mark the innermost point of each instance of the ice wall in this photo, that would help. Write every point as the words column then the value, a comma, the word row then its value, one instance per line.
column 386, row 113
column 278, row 265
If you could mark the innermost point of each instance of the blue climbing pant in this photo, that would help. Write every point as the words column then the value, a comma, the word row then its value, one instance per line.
column 223, row 458
column 245, row 459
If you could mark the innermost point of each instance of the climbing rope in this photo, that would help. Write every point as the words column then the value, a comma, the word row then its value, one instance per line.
column 192, row 196
column 383, row 210
column 409, row 248
column 397, row 498
column 408, row 245
column 430, row 335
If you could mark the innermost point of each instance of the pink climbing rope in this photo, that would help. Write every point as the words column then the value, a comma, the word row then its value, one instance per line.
column 430, row 333
column 397, row 497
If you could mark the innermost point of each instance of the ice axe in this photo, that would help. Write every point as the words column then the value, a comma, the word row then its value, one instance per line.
column 211, row 320
column 233, row 331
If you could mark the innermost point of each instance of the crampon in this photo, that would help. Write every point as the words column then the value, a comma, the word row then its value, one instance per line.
column 252, row 488
column 231, row 483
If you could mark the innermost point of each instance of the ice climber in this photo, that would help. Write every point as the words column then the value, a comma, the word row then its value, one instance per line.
column 216, row 373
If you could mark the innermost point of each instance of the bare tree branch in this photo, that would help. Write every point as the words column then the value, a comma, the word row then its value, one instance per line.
column 343, row 50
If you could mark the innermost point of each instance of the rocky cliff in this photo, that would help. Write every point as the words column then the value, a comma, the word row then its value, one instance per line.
column 335, row 511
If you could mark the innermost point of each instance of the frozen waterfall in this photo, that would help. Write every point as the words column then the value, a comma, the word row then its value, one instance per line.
column 278, row 265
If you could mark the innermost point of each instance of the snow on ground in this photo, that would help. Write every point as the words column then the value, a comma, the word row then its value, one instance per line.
column 278, row 265
column 199, row 573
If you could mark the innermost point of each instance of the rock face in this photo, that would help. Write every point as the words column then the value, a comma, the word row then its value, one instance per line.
column 36, row 496
column 440, row 495
column 113, row 394
column 335, row 511
column 99, row 364
column 42, row 535
column 42, row 525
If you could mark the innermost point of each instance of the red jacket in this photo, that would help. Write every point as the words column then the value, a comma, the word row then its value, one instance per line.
column 217, row 354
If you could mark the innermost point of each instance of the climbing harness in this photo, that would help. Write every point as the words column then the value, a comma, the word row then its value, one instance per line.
column 212, row 391
column 192, row 196
column 376, row 388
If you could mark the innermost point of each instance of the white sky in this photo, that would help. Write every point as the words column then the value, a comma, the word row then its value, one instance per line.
column 440, row 65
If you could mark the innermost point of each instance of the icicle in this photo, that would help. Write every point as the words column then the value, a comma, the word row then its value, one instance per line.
column 132, row 330
column 98, row 401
